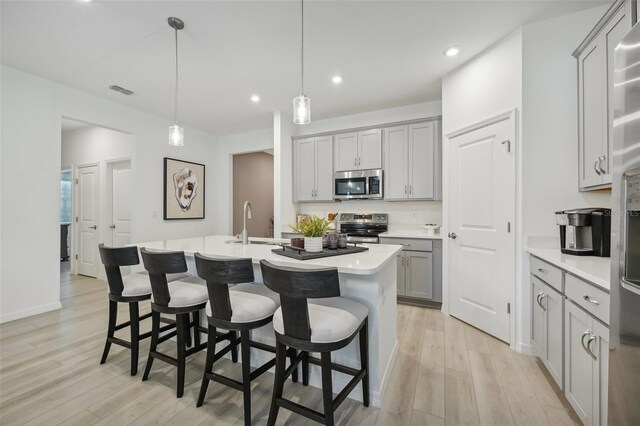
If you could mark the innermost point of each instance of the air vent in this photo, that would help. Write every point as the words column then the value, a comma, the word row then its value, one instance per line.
column 121, row 89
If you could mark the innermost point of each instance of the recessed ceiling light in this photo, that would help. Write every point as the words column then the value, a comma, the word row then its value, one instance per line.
column 255, row 98
column 337, row 79
column 452, row 51
column 85, row 1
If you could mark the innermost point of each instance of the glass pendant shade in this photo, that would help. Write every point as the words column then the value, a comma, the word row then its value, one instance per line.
column 302, row 110
column 176, row 135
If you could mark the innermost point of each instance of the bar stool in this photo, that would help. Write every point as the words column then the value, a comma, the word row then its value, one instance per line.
column 241, row 308
column 324, row 325
column 182, row 298
column 129, row 289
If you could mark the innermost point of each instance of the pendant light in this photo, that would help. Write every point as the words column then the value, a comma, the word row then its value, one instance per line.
column 176, row 132
column 302, row 104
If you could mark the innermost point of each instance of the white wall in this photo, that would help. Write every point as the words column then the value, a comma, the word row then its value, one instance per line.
column 32, row 108
column 550, row 122
column 487, row 85
column 414, row 212
column 240, row 143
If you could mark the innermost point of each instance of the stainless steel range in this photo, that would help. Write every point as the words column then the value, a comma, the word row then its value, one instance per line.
column 363, row 227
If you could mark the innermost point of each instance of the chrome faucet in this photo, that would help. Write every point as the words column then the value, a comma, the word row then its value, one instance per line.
column 246, row 215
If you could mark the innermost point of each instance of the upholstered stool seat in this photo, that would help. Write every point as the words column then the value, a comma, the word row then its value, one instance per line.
column 187, row 292
column 331, row 319
column 250, row 302
column 138, row 284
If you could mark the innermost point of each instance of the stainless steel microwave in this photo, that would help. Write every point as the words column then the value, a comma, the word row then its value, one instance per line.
column 358, row 185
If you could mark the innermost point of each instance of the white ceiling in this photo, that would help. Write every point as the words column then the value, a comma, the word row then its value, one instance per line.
column 388, row 52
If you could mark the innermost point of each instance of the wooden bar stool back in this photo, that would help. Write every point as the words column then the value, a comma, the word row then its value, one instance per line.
column 314, row 318
column 241, row 308
column 130, row 290
column 183, row 298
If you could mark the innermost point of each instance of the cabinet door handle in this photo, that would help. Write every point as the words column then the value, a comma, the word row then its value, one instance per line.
column 544, row 271
column 93, row 227
column 595, row 167
column 402, row 261
column 591, row 339
column 590, row 300
column 355, row 162
column 405, row 189
column 452, row 235
column 539, row 299
column 410, row 189
column 585, row 334
column 603, row 171
column 408, row 262
column 359, row 161
column 112, row 227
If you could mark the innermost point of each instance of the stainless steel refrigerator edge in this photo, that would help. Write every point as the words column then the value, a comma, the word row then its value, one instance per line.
column 624, row 358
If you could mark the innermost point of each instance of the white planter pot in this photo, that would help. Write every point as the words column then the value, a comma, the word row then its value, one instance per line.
column 313, row 244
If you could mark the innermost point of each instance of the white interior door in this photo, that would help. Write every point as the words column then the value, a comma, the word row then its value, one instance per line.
column 121, row 184
column 88, row 209
column 482, row 207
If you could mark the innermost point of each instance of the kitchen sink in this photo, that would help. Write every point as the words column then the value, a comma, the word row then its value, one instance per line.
column 250, row 242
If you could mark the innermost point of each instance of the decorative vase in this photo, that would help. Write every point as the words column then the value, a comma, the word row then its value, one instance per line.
column 313, row 244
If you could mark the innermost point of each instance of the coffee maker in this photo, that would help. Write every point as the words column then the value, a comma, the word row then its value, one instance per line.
column 585, row 232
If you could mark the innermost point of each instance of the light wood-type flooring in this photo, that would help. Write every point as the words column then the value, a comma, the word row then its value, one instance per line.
column 446, row 372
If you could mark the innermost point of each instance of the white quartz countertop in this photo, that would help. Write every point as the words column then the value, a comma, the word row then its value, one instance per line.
column 594, row 269
column 364, row 263
column 410, row 231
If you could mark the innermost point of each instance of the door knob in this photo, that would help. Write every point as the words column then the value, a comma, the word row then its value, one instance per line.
column 93, row 227
column 452, row 235
column 112, row 227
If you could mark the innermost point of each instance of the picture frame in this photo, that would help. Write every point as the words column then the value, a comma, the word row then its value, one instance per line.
column 184, row 190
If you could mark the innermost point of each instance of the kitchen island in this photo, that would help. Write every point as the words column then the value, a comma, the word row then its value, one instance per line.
column 369, row 277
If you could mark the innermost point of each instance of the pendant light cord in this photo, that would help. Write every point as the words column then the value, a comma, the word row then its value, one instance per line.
column 176, row 93
column 302, row 47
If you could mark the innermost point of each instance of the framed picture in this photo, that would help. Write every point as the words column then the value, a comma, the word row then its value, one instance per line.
column 184, row 189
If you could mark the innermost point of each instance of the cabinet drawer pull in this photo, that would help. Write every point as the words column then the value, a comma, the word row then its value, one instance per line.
column 406, row 245
column 544, row 271
column 590, row 300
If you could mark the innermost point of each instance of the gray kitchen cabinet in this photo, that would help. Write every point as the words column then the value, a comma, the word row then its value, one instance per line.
column 413, row 159
column 586, row 365
column 419, row 270
column 313, row 169
column 547, row 334
column 358, row 150
column 595, row 96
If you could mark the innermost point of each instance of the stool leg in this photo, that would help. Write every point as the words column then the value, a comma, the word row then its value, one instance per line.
column 364, row 361
column 186, row 326
column 327, row 388
column 208, row 367
column 155, row 334
column 182, row 333
column 113, row 315
column 292, row 356
column 234, row 349
column 305, row 368
column 278, row 385
column 246, row 375
column 196, row 331
column 134, row 318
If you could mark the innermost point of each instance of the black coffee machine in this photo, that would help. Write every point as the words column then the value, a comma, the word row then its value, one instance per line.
column 585, row 232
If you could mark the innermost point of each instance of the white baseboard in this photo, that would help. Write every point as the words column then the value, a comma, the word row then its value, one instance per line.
column 12, row 316
column 525, row 348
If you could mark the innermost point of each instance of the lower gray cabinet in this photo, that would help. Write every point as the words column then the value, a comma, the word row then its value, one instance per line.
column 547, row 334
column 419, row 270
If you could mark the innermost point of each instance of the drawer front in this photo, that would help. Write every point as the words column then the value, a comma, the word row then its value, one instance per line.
column 588, row 297
column 547, row 273
column 414, row 244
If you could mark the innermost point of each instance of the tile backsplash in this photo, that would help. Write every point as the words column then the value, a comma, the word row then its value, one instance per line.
column 400, row 212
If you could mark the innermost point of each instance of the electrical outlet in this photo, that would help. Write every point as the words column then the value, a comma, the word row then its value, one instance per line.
column 414, row 214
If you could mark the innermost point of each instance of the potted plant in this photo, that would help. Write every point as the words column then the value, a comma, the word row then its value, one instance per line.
column 312, row 229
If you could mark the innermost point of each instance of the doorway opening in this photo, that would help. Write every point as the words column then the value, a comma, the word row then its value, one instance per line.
column 95, row 197
column 253, row 182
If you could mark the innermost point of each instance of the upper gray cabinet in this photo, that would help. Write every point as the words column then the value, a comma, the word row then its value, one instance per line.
column 313, row 169
column 358, row 150
column 595, row 96
column 412, row 166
